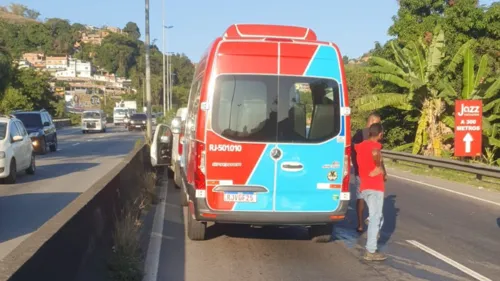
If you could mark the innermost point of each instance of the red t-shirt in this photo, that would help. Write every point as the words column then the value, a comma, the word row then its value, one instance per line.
column 366, row 164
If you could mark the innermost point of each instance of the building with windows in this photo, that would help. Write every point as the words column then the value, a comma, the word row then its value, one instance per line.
column 56, row 63
column 76, row 68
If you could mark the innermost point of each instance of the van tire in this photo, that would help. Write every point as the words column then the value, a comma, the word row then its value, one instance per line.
column 321, row 233
column 196, row 230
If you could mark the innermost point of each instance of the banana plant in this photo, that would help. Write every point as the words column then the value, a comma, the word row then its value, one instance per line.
column 474, row 88
column 415, row 69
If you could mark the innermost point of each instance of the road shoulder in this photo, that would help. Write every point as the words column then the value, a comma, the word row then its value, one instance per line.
column 477, row 193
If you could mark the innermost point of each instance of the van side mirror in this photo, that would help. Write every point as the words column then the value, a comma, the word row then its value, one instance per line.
column 176, row 125
column 17, row 138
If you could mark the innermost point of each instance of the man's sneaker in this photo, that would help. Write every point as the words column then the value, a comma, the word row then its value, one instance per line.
column 374, row 256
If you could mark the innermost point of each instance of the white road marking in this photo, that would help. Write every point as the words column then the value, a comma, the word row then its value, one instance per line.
column 154, row 248
column 449, row 261
column 448, row 190
column 59, row 149
column 75, row 144
column 90, row 140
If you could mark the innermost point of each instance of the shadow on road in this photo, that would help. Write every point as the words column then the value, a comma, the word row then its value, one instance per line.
column 24, row 213
column 346, row 230
column 51, row 171
column 498, row 222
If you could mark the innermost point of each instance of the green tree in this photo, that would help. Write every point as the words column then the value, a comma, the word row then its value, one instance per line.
column 14, row 99
column 132, row 30
column 35, row 88
column 32, row 14
column 415, row 18
column 117, row 54
column 415, row 71
column 476, row 85
column 18, row 9
column 5, row 67
column 62, row 36
column 358, row 81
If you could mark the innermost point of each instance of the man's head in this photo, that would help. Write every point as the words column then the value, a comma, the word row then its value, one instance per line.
column 376, row 131
column 373, row 118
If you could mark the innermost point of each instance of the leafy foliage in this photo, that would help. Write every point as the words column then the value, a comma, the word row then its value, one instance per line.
column 418, row 75
column 119, row 53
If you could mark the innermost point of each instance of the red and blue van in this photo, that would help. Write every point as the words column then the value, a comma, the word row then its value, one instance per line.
column 267, row 133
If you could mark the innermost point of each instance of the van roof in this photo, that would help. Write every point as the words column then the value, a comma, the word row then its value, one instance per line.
column 248, row 31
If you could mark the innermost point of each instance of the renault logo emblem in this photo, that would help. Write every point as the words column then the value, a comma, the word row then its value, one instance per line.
column 276, row 153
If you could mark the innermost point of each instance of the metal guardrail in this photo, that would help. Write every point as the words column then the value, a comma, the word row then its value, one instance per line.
column 477, row 169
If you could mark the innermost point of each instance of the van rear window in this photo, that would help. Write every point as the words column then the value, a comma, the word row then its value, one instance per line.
column 266, row 108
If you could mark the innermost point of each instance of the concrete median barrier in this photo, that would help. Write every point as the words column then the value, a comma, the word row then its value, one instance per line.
column 60, row 248
column 61, row 123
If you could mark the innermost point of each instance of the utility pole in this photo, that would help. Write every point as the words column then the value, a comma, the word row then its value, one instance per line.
column 163, row 54
column 166, row 87
column 148, row 76
column 171, row 84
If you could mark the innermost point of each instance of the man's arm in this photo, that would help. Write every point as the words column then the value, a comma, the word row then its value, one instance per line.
column 377, row 158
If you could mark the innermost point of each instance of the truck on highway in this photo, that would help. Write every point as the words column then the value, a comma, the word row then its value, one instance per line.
column 122, row 110
column 249, row 155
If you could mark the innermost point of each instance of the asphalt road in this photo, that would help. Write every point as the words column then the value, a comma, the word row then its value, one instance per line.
column 61, row 176
column 419, row 221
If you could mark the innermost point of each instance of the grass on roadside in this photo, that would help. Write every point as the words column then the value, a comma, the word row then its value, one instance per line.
column 447, row 174
column 126, row 260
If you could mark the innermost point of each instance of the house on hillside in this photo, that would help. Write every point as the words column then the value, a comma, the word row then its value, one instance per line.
column 76, row 68
column 34, row 58
column 113, row 29
column 56, row 63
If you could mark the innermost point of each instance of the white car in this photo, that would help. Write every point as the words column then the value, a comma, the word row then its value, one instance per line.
column 16, row 150
column 93, row 121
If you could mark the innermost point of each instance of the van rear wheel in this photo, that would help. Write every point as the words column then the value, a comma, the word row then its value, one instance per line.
column 321, row 233
column 196, row 230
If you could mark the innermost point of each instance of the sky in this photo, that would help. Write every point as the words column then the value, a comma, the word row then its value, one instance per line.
column 353, row 25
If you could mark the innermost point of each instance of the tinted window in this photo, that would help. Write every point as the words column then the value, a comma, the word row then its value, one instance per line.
column 139, row 117
column 45, row 119
column 3, row 130
column 245, row 108
column 13, row 130
column 121, row 111
column 91, row 115
column 308, row 102
column 21, row 129
column 30, row 120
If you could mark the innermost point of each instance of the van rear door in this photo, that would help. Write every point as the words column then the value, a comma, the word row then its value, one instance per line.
column 309, row 172
column 243, row 122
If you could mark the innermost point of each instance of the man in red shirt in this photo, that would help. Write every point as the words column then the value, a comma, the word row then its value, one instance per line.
column 359, row 137
column 371, row 175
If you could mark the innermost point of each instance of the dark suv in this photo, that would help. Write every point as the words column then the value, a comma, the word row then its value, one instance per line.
column 137, row 121
column 41, row 129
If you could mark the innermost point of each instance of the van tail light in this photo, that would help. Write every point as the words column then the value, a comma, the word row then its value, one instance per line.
column 200, row 170
column 347, row 168
column 180, row 144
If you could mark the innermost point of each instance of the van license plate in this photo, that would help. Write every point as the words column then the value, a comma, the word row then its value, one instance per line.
column 240, row 197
